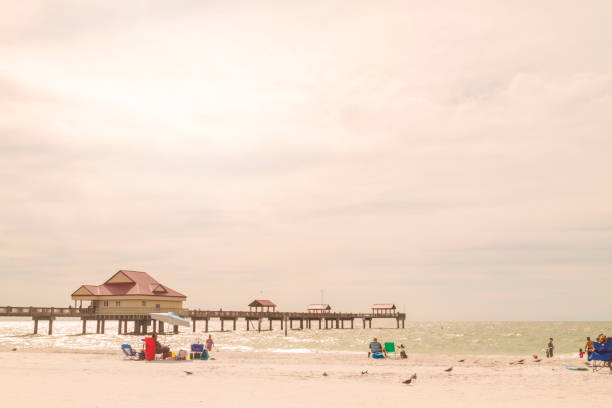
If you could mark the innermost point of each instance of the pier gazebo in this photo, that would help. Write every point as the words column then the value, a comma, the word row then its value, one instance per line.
column 384, row 309
column 260, row 304
column 319, row 308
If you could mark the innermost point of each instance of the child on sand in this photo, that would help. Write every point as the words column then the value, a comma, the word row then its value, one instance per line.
column 580, row 353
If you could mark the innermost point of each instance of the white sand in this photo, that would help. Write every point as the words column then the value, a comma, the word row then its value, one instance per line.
column 295, row 380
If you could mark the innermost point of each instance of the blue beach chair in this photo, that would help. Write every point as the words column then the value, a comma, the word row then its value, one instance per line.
column 196, row 351
column 128, row 351
column 602, row 356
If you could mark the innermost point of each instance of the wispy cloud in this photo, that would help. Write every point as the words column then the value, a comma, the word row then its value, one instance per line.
column 310, row 145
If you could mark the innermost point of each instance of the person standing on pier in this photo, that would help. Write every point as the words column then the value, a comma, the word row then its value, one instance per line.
column 209, row 343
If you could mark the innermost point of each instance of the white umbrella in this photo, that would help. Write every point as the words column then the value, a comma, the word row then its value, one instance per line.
column 170, row 318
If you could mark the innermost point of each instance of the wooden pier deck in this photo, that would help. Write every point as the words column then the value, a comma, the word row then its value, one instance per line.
column 141, row 319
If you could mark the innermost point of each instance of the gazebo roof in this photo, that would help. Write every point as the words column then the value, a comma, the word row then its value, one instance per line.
column 384, row 306
column 262, row 303
column 319, row 306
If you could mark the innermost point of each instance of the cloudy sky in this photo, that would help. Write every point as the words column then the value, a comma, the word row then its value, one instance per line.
column 453, row 159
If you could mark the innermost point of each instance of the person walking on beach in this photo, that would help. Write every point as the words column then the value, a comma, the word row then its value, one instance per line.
column 589, row 347
column 209, row 343
column 550, row 348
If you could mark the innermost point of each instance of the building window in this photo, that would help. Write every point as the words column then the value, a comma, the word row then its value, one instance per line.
column 157, row 305
column 144, row 303
column 106, row 303
column 117, row 303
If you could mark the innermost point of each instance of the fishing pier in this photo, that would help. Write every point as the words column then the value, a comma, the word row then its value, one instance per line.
column 140, row 321
column 129, row 297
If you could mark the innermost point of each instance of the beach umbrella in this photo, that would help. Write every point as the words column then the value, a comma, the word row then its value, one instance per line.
column 170, row 318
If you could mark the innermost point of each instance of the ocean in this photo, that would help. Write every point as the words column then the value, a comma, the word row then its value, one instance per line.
column 484, row 338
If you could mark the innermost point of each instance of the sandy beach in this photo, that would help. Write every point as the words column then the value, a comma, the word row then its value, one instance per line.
column 295, row 380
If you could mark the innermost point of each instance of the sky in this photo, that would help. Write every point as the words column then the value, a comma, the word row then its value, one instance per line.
column 454, row 158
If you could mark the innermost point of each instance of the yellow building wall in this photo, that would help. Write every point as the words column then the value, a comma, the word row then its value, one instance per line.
column 138, row 302
column 134, row 305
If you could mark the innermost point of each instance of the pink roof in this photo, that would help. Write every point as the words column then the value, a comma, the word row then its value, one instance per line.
column 262, row 302
column 142, row 284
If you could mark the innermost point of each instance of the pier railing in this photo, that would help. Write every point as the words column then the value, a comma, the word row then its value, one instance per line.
column 194, row 314
column 203, row 314
column 86, row 311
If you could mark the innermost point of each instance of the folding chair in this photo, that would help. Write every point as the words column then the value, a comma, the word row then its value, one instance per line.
column 128, row 351
column 602, row 356
column 390, row 348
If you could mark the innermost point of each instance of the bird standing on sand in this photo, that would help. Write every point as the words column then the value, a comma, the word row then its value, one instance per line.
column 364, row 372
column 449, row 369
column 324, row 374
column 461, row 361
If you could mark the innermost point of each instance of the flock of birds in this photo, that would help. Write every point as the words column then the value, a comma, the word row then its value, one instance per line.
column 408, row 381
column 413, row 377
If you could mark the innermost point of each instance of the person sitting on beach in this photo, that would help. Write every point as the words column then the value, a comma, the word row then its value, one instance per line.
column 403, row 354
column 376, row 348
column 160, row 349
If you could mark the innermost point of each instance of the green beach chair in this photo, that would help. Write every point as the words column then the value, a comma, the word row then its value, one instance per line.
column 390, row 348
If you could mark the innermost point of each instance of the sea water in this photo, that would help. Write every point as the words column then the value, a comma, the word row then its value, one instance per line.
column 506, row 338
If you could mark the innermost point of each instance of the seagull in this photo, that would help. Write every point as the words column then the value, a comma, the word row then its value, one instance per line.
column 324, row 374
column 15, row 349
column 364, row 372
column 408, row 381
column 188, row 372
column 448, row 370
column 461, row 361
